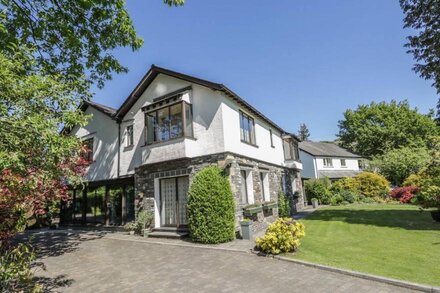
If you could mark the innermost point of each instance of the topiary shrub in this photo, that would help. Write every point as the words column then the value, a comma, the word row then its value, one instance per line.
column 284, row 209
column 211, row 208
column 281, row 236
column 372, row 184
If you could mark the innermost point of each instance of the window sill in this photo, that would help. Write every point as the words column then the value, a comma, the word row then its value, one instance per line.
column 248, row 143
column 272, row 146
column 175, row 139
column 128, row 147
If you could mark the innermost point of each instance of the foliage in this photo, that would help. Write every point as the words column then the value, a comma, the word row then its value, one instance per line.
column 422, row 18
column 284, row 209
column 15, row 270
column 372, row 184
column 413, row 180
column 345, row 184
column 211, row 207
column 404, row 194
column 72, row 39
column 372, row 130
column 174, row 2
column 143, row 221
column 303, row 132
column 281, row 236
column 319, row 189
column 429, row 195
column 397, row 164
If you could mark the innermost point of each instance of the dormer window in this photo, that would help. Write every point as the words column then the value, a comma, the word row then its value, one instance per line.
column 168, row 119
column 291, row 151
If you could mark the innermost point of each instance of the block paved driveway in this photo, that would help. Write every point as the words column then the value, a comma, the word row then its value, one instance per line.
column 98, row 262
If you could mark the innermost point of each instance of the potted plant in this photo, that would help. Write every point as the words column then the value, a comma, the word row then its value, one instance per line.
column 253, row 209
column 269, row 205
column 246, row 229
column 315, row 203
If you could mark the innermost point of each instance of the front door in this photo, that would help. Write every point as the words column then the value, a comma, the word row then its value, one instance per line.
column 173, row 201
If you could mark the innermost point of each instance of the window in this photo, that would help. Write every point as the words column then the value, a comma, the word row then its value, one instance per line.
column 361, row 164
column 328, row 162
column 291, row 151
column 247, row 128
column 129, row 135
column 271, row 138
column 264, row 180
column 343, row 163
column 169, row 122
column 88, row 154
column 244, row 191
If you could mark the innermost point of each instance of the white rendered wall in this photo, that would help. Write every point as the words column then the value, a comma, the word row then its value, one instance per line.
column 263, row 151
column 104, row 131
column 308, row 161
column 207, row 126
column 351, row 164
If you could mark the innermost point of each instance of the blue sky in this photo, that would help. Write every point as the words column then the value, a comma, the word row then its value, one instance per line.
column 296, row 61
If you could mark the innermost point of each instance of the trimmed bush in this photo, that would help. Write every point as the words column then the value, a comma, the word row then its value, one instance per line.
column 372, row 184
column 211, row 208
column 281, row 236
column 349, row 184
column 284, row 209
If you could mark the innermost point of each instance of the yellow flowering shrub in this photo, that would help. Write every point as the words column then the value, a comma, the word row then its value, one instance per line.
column 281, row 236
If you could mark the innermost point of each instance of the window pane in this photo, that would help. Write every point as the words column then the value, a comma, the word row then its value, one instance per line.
column 176, row 129
column 129, row 137
column 151, row 124
column 252, row 130
column 343, row 164
column 244, row 196
column 287, row 151
column 163, row 125
column 188, row 120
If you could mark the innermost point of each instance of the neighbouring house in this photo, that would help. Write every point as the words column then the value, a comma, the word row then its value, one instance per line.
column 145, row 153
column 322, row 159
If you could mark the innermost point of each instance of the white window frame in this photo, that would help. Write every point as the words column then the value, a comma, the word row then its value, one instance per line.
column 129, row 139
column 248, row 187
column 327, row 162
column 265, row 190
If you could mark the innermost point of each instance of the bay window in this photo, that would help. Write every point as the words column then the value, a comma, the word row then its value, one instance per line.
column 171, row 121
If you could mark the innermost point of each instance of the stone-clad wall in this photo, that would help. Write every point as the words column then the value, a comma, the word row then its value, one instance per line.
column 232, row 163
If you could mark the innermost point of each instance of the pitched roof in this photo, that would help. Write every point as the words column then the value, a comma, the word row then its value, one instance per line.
column 155, row 71
column 336, row 174
column 323, row 149
column 109, row 111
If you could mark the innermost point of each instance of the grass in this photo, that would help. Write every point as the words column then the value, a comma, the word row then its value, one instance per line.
column 391, row 240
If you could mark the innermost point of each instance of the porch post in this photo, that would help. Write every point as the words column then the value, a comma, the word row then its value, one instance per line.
column 124, row 204
column 84, row 210
column 106, row 201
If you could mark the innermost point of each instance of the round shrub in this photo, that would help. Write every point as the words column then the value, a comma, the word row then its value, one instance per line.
column 404, row 194
column 211, row 208
column 372, row 184
column 281, row 236
column 413, row 180
column 345, row 184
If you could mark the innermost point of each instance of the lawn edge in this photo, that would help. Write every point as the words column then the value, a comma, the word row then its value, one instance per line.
column 395, row 282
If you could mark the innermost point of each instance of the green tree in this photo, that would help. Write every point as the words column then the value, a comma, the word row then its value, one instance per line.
column 374, row 129
column 303, row 132
column 398, row 164
column 422, row 17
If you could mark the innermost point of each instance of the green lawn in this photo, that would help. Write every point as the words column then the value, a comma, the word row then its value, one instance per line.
column 396, row 241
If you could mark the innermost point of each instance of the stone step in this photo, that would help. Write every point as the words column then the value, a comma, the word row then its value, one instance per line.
column 171, row 229
column 168, row 234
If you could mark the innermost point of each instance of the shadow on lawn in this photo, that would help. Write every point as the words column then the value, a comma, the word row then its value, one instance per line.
column 405, row 219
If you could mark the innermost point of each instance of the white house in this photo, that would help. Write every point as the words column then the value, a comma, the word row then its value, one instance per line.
column 144, row 154
column 329, row 160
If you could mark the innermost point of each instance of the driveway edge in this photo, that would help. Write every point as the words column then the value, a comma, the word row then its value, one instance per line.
column 395, row 282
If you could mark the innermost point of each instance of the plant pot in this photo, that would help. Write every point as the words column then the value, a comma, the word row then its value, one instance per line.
column 146, row 232
column 246, row 230
column 250, row 211
column 435, row 215
column 269, row 206
column 315, row 204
